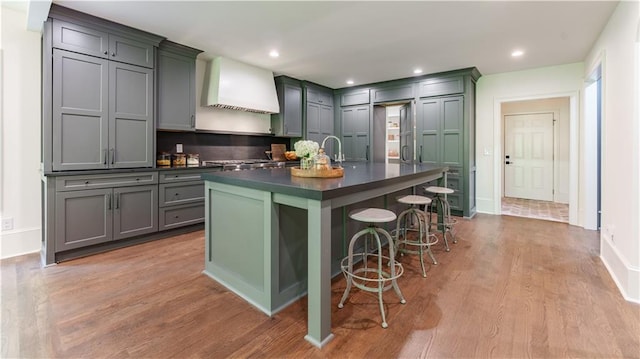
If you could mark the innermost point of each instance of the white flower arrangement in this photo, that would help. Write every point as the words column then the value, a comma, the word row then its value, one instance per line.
column 306, row 148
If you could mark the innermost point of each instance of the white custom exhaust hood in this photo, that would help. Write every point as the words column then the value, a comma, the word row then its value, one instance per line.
column 237, row 86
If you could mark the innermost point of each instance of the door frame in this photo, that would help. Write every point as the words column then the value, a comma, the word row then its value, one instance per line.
column 554, row 179
column 498, row 148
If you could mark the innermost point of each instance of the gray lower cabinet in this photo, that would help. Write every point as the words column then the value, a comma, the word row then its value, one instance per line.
column 102, row 113
column 176, row 87
column 288, row 122
column 87, row 217
column 355, row 133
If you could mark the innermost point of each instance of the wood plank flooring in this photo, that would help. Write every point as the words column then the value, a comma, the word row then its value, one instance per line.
column 510, row 288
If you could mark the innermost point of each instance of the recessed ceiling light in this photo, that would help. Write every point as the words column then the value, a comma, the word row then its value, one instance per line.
column 417, row 71
column 517, row 53
column 349, row 82
column 274, row 53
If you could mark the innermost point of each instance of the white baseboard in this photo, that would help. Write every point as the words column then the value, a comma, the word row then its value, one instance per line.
column 485, row 205
column 19, row 242
column 626, row 276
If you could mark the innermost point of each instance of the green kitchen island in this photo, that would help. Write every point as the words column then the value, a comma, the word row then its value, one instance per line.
column 272, row 238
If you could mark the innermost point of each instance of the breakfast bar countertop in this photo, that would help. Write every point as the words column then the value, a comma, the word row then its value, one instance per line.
column 358, row 176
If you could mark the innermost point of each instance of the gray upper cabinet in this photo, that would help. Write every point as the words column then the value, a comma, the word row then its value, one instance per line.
column 131, row 129
column 94, row 42
column 176, row 87
column 288, row 123
column 354, row 97
column 441, row 86
column 439, row 131
column 102, row 113
column 393, row 93
column 319, row 116
column 98, row 93
column 355, row 133
column 80, row 111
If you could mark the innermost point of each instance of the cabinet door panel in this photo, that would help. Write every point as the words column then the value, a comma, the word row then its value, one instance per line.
column 313, row 118
column 135, row 211
column 292, row 110
column 428, row 131
column 130, row 116
column 355, row 133
column 130, row 51
column 80, row 111
column 176, row 104
column 83, row 218
column 452, row 130
column 80, row 39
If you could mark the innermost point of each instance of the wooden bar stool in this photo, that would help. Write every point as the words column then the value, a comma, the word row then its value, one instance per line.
column 412, row 215
column 445, row 221
column 372, row 279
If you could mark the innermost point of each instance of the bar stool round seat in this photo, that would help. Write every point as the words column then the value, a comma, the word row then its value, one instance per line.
column 407, row 221
column 378, row 278
column 443, row 210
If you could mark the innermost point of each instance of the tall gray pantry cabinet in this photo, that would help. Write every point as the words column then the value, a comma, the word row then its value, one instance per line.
column 97, row 120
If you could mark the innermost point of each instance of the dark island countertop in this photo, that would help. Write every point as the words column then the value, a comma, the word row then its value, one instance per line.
column 358, row 176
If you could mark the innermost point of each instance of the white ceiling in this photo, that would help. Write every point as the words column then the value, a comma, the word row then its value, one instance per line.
column 328, row 42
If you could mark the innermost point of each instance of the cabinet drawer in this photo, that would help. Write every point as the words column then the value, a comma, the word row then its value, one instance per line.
column 183, row 215
column 356, row 97
column 455, row 200
column 71, row 183
column 181, row 193
column 454, row 183
column 442, row 86
column 182, row 176
column 319, row 97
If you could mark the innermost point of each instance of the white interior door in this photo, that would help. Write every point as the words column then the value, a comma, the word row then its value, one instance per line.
column 528, row 169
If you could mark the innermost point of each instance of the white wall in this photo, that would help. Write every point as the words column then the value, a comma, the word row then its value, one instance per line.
column 620, row 237
column 492, row 91
column 559, row 106
column 20, row 138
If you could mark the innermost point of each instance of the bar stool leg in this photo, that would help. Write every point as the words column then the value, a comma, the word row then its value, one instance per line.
column 392, row 260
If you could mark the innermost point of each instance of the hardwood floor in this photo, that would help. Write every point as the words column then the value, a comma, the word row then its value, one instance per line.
column 510, row 288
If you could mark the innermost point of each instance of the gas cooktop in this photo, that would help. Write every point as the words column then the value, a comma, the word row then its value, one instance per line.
column 248, row 164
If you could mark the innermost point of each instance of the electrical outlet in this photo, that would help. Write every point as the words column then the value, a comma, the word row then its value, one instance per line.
column 7, row 224
column 179, row 147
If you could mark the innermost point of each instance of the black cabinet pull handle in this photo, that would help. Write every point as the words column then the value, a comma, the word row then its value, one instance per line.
column 118, row 201
column 109, row 201
column 106, row 52
column 420, row 157
column 366, row 154
column 105, row 156
column 113, row 155
column 113, row 54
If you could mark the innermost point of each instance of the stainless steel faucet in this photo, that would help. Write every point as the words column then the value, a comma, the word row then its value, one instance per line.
column 340, row 156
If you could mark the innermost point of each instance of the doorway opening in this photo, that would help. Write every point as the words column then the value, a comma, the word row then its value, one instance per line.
column 394, row 132
column 535, row 164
